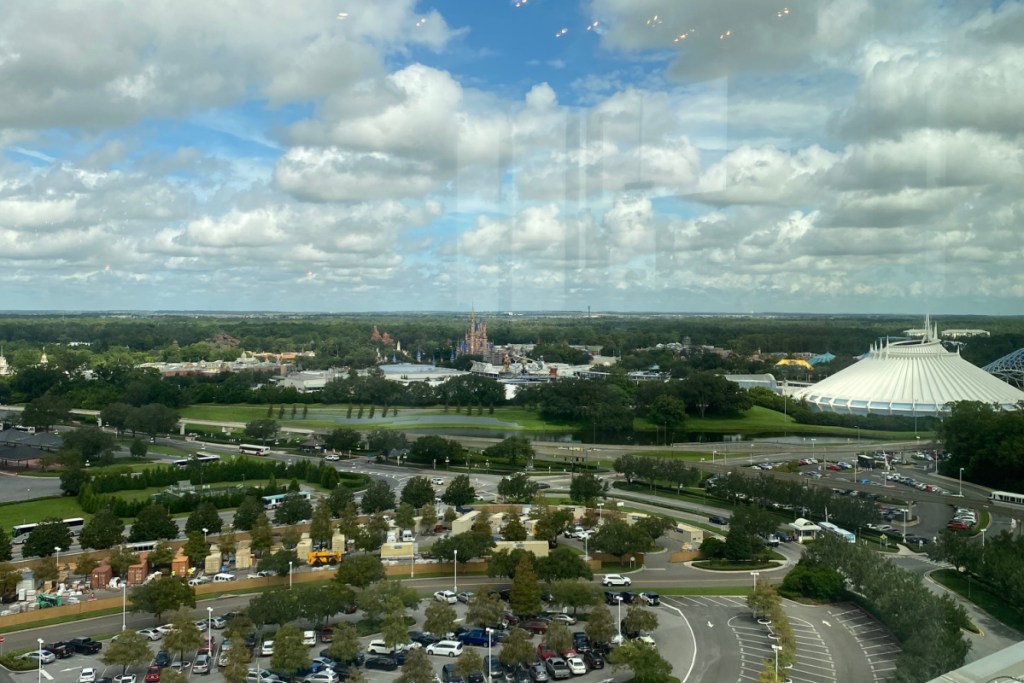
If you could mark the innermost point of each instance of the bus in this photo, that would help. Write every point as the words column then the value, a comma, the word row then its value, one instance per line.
column 837, row 531
column 1006, row 497
column 197, row 458
column 19, row 532
column 274, row 502
column 249, row 449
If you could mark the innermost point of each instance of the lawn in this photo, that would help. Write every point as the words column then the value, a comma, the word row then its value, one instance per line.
column 980, row 595
column 39, row 509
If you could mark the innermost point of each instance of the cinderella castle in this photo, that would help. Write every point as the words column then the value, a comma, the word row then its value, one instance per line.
column 475, row 342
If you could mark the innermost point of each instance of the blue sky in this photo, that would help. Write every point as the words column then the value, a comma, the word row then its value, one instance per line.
column 333, row 155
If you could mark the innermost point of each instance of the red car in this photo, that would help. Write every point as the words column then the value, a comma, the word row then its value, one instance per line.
column 545, row 653
column 834, row 468
column 534, row 626
column 153, row 674
column 957, row 526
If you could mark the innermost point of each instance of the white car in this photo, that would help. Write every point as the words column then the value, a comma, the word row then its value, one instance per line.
column 309, row 638
column 125, row 678
column 88, row 675
column 616, row 580
column 44, row 656
column 332, row 457
column 446, row 596
column 437, row 481
column 647, row 640
column 150, row 633
column 267, row 649
column 323, row 676
column 260, row 676
column 165, row 629
column 445, row 648
column 576, row 665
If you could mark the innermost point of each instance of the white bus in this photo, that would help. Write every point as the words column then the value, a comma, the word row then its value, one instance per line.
column 837, row 531
column 197, row 458
column 1006, row 497
column 249, row 449
column 274, row 502
column 19, row 532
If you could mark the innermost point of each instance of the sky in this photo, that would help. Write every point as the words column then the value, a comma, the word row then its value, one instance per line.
column 733, row 156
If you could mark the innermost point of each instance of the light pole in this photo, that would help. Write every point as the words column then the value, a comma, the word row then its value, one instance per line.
column 205, row 531
column 586, row 552
column 600, row 512
column 124, row 605
column 775, row 649
column 755, row 575
column 40, row 640
column 713, row 454
column 961, row 494
column 56, row 557
column 412, row 560
column 812, row 454
column 209, row 626
column 455, row 573
column 619, row 619
column 446, row 463
column 489, row 632
column 904, row 525
column 289, row 575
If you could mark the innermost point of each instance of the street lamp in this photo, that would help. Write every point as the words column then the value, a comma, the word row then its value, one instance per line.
column 713, row 454
column 904, row 525
column 961, row 494
column 446, row 461
column 56, row 550
column 619, row 619
column 435, row 463
column 812, row 454
column 586, row 552
column 205, row 531
column 40, row 640
column 289, row 575
column 209, row 626
column 124, row 605
column 755, row 575
column 455, row 575
column 489, row 632
column 775, row 649
column 600, row 512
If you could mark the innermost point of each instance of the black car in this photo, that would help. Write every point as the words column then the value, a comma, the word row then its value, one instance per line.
column 612, row 597
column 162, row 659
column 476, row 677
column 716, row 519
column 381, row 662
column 580, row 641
column 60, row 649
column 628, row 597
column 358, row 661
column 552, row 544
column 543, row 485
column 423, row 638
column 448, row 674
column 593, row 659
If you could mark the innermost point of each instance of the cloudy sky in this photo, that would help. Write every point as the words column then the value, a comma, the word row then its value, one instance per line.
column 626, row 155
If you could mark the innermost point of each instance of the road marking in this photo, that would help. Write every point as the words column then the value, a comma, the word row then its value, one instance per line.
column 826, row 623
column 46, row 673
column 710, row 625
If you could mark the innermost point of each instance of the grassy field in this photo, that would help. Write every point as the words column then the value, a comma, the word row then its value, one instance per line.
column 980, row 595
column 38, row 510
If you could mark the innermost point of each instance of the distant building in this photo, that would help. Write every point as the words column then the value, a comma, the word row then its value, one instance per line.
column 476, row 342
column 765, row 380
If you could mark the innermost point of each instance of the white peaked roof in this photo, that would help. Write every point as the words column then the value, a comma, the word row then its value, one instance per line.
column 909, row 377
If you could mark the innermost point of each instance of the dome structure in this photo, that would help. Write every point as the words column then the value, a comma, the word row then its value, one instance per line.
column 915, row 377
column 1009, row 368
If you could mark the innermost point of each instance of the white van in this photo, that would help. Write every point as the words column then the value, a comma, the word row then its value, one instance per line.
column 408, row 536
column 223, row 578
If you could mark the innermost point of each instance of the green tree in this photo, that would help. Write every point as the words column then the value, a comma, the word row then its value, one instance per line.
column 428, row 518
column 183, row 636
column 74, row 478
column 152, row 419
column 459, row 492
column 514, row 530
column 130, row 649
column 601, row 626
column 640, row 619
column 319, row 601
column 138, row 448
column 469, row 663
column 50, row 534
column 384, row 597
column 654, row 526
column 92, row 443
column 281, row 562
column 338, row 499
column 504, row 562
column 45, row 411
column 343, row 439
column 550, row 523
column 227, row 543
column 238, row 660
column 586, row 488
column 6, row 552
column 450, row 515
column 484, row 609
column 161, row 555
column 514, row 449
column 278, row 606
column 245, row 515
column 321, row 527
column 164, row 594
column 261, row 538
column 344, row 643
column 47, row 569
column 417, row 668
column 468, row 545
column 668, row 412
column 204, row 519
column 360, row 571
column 371, row 536
column 196, row 548
column 524, row 597
column 120, row 559
column 417, row 492
column 104, row 530
column 393, row 630
column 574, row 594
column 764, row 599
column 116, row 416
column 290, row 655
column 262, row 430
column 405, row 516
column 517, row 650
column 153, row 522
column 440, row 618
column 558, row 637
column 645, row 662
column 618, row 538
column 293, row 510
column 563, row 563
column 378, row 497
column 85, row 563
column 518, row 488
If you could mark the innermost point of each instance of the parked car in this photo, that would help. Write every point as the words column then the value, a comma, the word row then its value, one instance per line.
column 445, row 648
column 423, row 638
column 612, row 597
column 202, row 664
column 381, row 662
column 534, row 626
column 544, row 652
column 593, row 659
column 478, row 637
column 324, row 676
column 124, row 678
column 576, row 665
column 566, row 619
column 650, row 599
column 493, row 668
column 162, row 659
column 446, row 596
column 332, row 457
column 539, row 673
column 464, row 596
column 84, row 645
column 716, row 519
column 518, row 674
column 628, row 597
column 557, row 668
column 40, row 656
column 616, row 580
column 150, row 633
column 87, row 675
column 261, row 676
column 267, row 648
column 309, row 638
column 153, row 674
column 448, row 674
column 60, row 649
